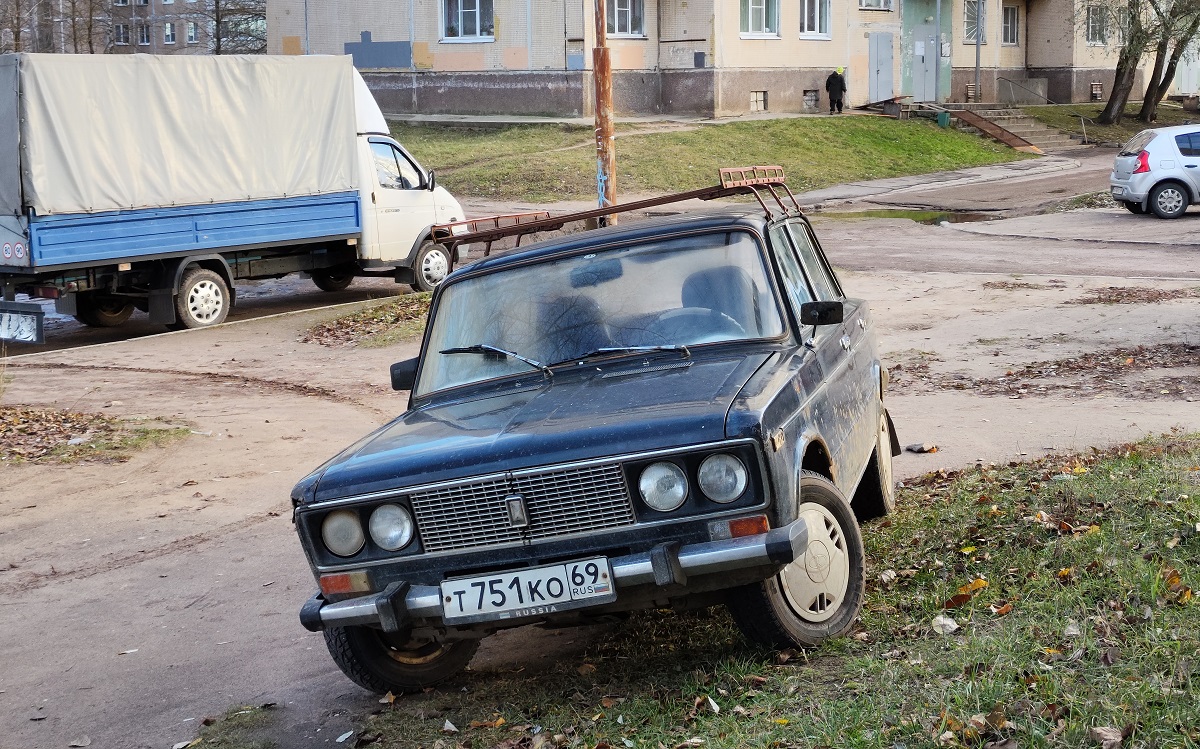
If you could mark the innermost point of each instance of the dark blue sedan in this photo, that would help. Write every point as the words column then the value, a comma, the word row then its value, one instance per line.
column 682, row 412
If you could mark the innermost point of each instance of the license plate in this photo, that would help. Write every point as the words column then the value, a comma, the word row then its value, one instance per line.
column 529, row 592
column 21, row 322
column 1118, row 191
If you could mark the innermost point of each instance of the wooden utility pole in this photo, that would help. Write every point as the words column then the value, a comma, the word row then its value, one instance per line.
column 606, row 152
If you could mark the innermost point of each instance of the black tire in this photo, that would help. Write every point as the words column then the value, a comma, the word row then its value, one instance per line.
column 102, row 312
column 202, row 300
column 430, row 267
column 875, row 496
column 794, row 608
column 1169, row 200
column 1133, row 207
column 380, row 663
column 332, row 279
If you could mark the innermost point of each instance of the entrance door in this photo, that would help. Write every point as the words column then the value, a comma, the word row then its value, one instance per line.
column 924, row 61
column 879, row 85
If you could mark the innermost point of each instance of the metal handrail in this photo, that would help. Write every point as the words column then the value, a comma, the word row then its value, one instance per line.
column 1050, row 101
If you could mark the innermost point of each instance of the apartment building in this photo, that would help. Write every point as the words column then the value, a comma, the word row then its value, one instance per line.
column 706, row 57
column 159, row 27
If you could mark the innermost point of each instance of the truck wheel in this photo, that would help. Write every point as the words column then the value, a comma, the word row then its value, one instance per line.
column 1168, row 200
column 381, row 662
column 332, row 279
column 101, row 311
column 875, row 496
column 819, row 595
column 202, row 300
column 432, row 265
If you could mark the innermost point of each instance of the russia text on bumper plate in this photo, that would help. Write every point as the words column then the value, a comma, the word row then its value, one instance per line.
column 531, row 592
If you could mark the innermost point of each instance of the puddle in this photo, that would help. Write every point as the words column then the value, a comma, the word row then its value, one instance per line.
column 931, row 218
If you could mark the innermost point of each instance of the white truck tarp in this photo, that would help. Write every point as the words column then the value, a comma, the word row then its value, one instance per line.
column 110, row 132
column 10, row 144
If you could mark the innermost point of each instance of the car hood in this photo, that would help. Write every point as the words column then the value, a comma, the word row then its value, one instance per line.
column 616, row 409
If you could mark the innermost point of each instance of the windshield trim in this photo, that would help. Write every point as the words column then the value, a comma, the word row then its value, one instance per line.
column 418, row 398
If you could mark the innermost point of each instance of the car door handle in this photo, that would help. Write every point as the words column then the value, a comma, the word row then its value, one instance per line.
column 1191, row 166
column 845, row 341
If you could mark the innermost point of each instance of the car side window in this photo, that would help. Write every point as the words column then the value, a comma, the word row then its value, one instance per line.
column 824, row 285
column 796, row 286
column 1189, row 144
column 392, row 167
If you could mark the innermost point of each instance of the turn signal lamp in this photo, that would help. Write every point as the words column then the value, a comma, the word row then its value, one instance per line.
column 751, row 526
column 345, row 582
column 1143, row 163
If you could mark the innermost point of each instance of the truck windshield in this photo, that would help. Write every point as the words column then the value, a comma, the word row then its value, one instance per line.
column 679, row 292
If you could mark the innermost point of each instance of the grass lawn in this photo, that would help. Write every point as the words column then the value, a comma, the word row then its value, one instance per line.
column 543, row 163
column 1065, row 117
column 1068, row 582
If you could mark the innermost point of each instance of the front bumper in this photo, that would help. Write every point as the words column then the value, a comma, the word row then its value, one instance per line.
column 666, row 564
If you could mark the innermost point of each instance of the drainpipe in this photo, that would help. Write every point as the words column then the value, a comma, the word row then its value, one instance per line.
column 306, row 50
column 980, row 17
column 937, row 52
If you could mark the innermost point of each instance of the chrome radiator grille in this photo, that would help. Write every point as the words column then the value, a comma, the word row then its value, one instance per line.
column 558, row 501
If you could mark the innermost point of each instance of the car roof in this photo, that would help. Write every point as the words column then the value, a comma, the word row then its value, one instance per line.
column 749, row 216
column 1175, row 129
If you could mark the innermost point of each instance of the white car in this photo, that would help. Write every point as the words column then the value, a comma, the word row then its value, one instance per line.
column 1159, row 170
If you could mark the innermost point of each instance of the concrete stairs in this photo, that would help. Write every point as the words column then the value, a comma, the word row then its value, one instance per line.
column 1018, row 123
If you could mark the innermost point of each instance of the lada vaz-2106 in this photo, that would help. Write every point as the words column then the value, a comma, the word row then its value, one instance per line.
column 676, row 413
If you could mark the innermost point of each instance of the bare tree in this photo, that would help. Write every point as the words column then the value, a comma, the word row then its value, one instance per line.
column 238, row 27
column 1179, row 22
column 1137, row 36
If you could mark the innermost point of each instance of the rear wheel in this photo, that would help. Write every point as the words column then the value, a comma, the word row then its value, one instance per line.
column 382, row 662
column 202, row 301
column 819, row 595
column 1169, row 200
column 332, row 279
column 102, row 311
column 1133, row 207
column 432, row 265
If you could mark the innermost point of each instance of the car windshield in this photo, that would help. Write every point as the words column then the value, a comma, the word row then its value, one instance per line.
column 679, row 292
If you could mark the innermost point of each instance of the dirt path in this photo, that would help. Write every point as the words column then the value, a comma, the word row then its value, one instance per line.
column 138, row 602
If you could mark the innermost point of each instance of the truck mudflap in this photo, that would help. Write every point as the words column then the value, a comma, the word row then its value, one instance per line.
column 22, row 322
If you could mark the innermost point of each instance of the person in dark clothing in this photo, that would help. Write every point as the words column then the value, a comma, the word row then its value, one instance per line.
column 835, row 86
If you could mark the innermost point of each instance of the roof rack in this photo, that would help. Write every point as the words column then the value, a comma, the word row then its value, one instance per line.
column 733, row 181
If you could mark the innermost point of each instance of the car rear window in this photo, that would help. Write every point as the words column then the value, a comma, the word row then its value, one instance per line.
column 1137, row 143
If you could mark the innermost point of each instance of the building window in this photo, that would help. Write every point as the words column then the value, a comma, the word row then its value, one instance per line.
column 760, row 17
column 121, row 33
column 814, row 17
column 1011, row 26
column 1097, row 25
column 625, row 17
column 168, row 33
column 193, row 32
column 143, row 2
column 875, row 4
column 120, row 2
column 143, row 34
column 974, row 21
column 469, row 19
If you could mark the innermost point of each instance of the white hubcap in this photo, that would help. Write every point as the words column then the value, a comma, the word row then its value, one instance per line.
column 434, row 267
column 205, row 301
column 816, row 583
column 1170, row 200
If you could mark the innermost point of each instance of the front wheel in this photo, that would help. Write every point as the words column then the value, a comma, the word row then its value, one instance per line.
column 381, row 662
column 1133, row 207
column 1169, row 200
column 819, row 595
column 102, row 312
column 202, row 300
column 431, row 267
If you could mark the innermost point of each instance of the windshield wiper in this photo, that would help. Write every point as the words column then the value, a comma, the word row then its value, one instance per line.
column 628, row 350
column 483, row 348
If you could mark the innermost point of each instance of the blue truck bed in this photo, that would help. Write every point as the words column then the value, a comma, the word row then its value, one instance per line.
column 63, row 241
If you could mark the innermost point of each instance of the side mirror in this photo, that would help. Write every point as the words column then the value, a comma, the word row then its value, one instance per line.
column 404, row 374
column 821, row 313
column 431, row 182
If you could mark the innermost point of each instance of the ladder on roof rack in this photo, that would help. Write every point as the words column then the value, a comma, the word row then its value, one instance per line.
column 733, row 181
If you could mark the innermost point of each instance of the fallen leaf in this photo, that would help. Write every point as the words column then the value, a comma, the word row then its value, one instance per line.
column 449, row 727
column 1109, row 657
column 887, row 577
column 81, row 741
column 586, row 669
column 944, row 625
column 975, row 585
column 1108, row 738
column 954, row 602
column 947, row 739
column 127, row 652
column 341, row 739
column 712, row 705
column 1003, row 610
column 1009, row 743
column 694, row 741
column 1072, row 629
column 387, row 699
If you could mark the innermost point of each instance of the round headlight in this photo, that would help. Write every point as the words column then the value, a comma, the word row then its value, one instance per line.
column 663, row 486
column 342, row 533
column 722, row 477
column 391, row 527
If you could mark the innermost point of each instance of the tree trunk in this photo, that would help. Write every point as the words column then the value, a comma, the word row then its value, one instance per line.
column 1150, row 101
column 1127, row 66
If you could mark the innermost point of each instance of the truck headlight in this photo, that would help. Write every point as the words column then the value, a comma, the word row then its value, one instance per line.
column 342, row 533
column 722, row 477
column 663, row 486
column 391, row 527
